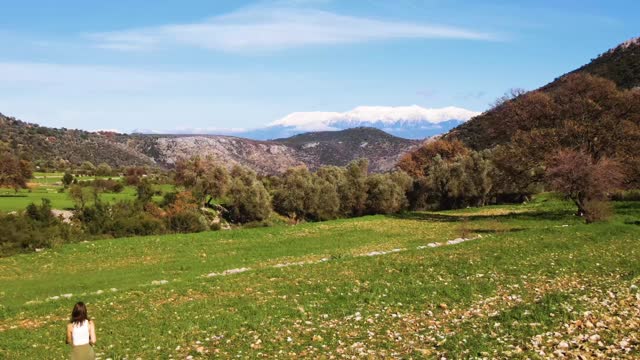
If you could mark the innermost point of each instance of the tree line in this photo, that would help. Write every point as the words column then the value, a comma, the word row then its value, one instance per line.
column 298, row 194
column 207, row 196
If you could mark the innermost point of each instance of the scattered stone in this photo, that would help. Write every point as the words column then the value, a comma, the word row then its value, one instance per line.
column 378, row 253
column 228, row 272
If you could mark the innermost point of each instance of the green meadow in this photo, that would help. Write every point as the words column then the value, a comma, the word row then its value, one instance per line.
column 49, row 185
column 531, row 281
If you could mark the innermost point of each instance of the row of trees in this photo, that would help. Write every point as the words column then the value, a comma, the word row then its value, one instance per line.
column 448, row 175
column 329, row 193
column 209, row 196
column 334, row 192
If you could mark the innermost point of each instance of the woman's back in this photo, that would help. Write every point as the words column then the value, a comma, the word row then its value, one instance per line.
column 80, row 333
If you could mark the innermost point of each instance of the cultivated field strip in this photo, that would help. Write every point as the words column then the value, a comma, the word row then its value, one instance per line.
column 245, row 269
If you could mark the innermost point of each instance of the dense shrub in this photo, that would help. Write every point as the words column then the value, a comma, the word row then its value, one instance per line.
column 597, row 210
column 386, row 193
column 247, row 199
column 186, row 222
column 104, row 170
column 127, row 219
column 36, row 228
column 67, row 179
column 145, row 192
column 169, row 199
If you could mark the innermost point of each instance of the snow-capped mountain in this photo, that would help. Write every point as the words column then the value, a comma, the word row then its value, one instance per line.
column 405, row 121
column 411, row 122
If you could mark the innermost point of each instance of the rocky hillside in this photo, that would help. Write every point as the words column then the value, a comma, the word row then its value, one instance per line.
column 586, row 96
column 312, row 149
column 262, row 156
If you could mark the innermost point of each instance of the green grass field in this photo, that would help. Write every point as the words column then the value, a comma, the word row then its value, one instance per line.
column 46, row 185
column 536, row 280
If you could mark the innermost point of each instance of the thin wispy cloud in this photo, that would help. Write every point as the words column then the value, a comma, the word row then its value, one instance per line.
column 270, row 29
column 85, row 78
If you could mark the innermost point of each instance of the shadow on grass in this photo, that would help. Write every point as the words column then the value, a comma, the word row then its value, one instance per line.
column 626, row 204
column 628, row 209
column 497, row 231
column 529, row 215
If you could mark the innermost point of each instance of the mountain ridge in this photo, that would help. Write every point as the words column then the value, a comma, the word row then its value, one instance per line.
column 50, row 145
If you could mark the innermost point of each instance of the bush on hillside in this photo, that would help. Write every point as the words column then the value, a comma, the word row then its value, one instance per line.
column 186, row 222
column 247, row 199
column 597, row 210
column 36, row 228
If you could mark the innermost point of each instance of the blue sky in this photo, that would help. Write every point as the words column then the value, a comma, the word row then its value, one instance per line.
column 169, row 65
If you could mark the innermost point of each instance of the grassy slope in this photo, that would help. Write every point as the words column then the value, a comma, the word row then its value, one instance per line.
column 528, row 275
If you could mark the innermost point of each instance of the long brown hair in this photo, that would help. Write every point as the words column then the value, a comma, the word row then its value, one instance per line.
column 79, row 314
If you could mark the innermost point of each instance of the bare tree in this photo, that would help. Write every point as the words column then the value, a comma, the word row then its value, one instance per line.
column 584, row 180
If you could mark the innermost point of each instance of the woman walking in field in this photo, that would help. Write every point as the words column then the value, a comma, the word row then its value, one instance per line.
column 81, row 334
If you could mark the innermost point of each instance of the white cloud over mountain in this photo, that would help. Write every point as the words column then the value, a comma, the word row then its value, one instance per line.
column 413, row 122
column 386, row 116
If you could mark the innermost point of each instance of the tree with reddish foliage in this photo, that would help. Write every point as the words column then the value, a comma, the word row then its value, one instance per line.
column 417, row 163
column 133, row 174
column 14, row 172
column 586, row 181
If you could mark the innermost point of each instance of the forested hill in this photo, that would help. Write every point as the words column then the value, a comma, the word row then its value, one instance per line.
column 602, row 96
column 55, row 147
column 44, row 144
column 341, row 147
column 620, row 64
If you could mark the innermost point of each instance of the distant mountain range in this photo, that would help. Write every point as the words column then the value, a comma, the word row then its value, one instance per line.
column 43, row 144
column 410, row 122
